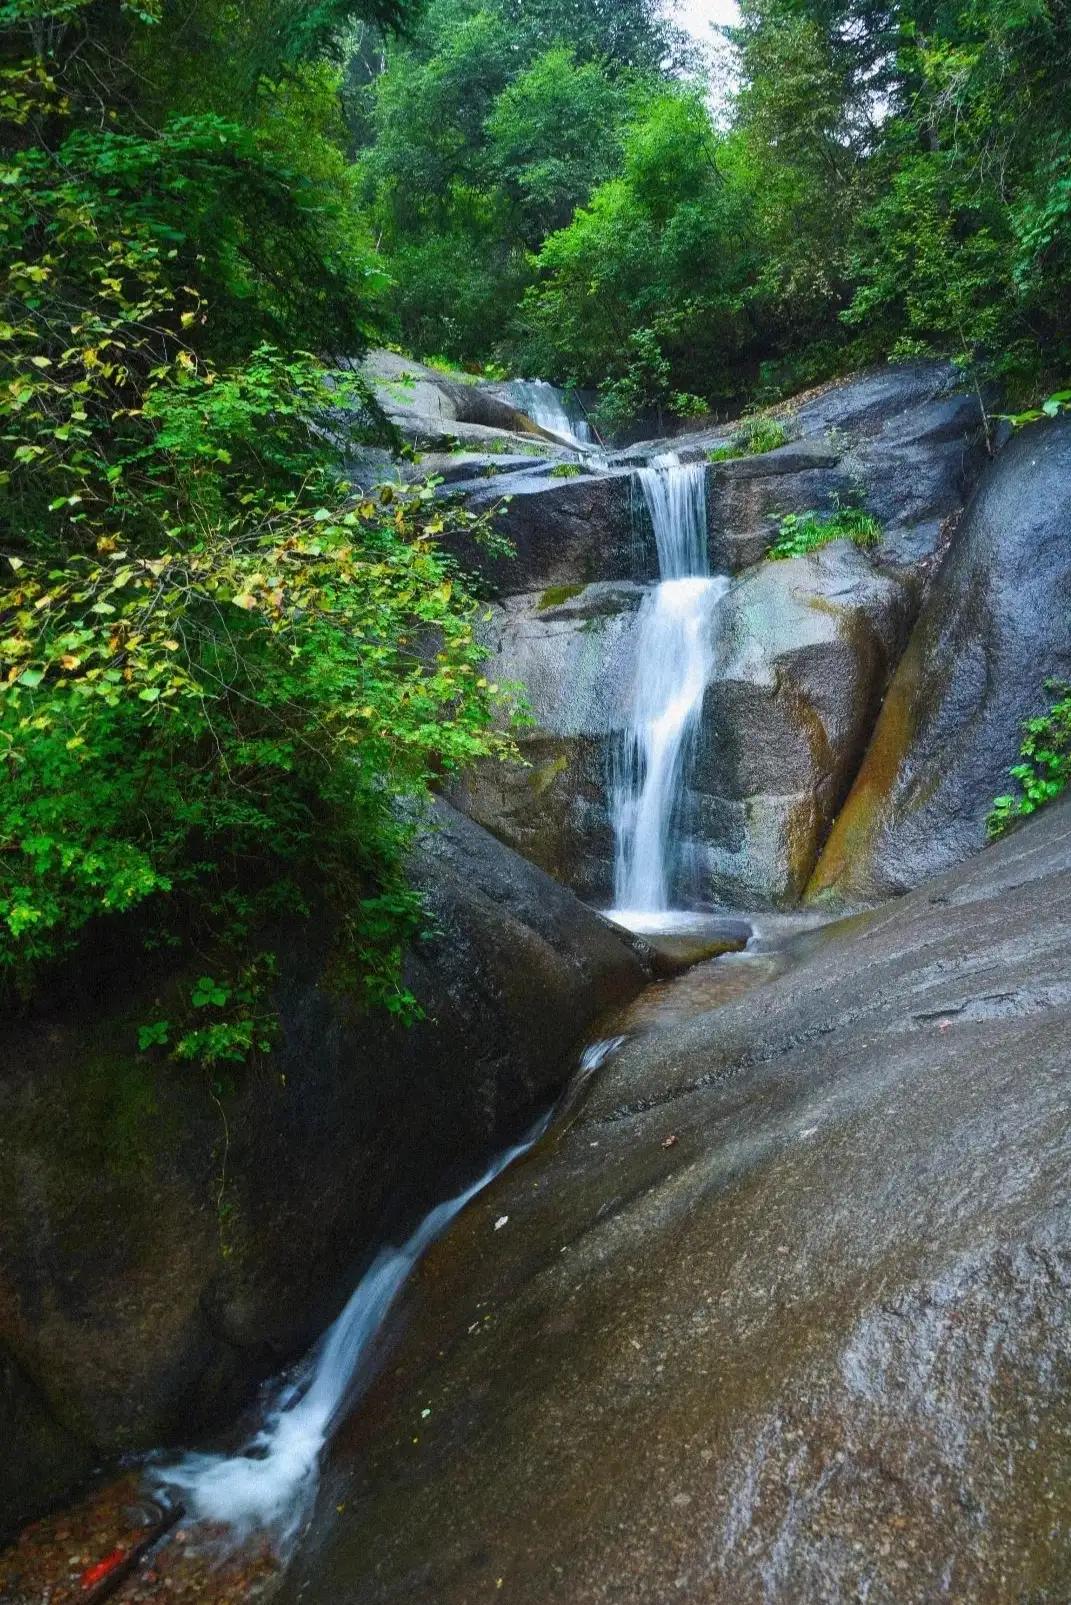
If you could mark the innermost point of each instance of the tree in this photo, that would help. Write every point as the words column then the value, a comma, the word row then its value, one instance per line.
column 221, row 675
column 554, row 134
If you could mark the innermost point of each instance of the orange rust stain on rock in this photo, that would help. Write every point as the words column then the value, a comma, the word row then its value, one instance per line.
column 854, row 834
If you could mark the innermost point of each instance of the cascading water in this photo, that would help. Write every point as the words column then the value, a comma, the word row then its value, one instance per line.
column 675, row 650
column 550, row 408
column 270, row 1484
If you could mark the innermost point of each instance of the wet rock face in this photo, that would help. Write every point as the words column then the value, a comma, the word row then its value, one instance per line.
column 574, row 650
column 996, row 625
column 809, row 646
column 818, row 1347
column 805, row 648
column 565, row 532
column 161, row 1252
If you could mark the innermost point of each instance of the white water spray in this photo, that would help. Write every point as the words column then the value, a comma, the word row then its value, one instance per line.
column 675, row 651
column 271, row 1483
column 549, row 407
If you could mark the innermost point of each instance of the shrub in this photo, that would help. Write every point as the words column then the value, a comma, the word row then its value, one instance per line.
column 755, row 436
column 1045, row 771
column 801, row 533
column 226, row 683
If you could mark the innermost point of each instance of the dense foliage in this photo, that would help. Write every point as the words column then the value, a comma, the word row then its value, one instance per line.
column 553, row 192
column 221, row 672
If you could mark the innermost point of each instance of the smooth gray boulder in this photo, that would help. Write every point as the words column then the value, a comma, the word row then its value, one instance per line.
column 163, row 1249
column 865, row 404
column 804, row 650
column 996, row 626
column 574, row 651
column 412, row 394
column 783, row 1316
column 801, row 653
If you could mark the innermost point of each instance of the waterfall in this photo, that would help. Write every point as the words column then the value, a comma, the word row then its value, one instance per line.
column 271, row 1483
column 552, row 410
column 674, row 654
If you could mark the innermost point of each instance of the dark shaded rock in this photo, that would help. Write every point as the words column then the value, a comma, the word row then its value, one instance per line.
column 816, row 1348
column 865, row 404
column 918, row 474
column 162, row 1250
column 574, row 651
column 996, row 625
column 805, row 648
column 41, row 1458
column 745, row 507
column 565, row 531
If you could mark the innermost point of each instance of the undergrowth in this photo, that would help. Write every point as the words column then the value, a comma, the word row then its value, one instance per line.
column 754, row 438
column 801, row 533
column 1045, row 770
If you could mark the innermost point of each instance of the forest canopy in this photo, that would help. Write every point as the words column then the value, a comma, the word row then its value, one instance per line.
column 553, row 192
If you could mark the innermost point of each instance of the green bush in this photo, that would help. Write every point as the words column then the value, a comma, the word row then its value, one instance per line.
column 1046, row 768
column 756, row 436
column 801, row 533
column 227, row 682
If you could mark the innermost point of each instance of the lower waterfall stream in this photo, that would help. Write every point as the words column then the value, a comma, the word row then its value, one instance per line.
column 257, row 1498
column 269, row 1485
column 674, row 656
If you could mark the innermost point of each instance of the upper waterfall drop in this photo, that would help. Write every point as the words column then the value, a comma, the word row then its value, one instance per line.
column 674, row 659
column 553, row 410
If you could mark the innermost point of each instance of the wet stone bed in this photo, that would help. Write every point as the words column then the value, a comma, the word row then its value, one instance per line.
column 63, row 1558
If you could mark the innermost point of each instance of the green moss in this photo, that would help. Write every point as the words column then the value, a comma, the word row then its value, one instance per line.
column 120, row 1112
column 566, row 471
column 543, row 778
column 557, row 595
